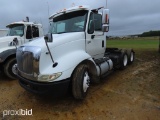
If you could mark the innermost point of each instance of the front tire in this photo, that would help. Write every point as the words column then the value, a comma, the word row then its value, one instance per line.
column 80, row 82
column 8, row 68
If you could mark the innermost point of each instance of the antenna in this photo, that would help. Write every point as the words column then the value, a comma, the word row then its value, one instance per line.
column 48, row 14
column 48, row 9
column 106, row 3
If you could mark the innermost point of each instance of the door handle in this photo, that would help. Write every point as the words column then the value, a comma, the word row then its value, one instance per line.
column 102, row 43
column 92, row 36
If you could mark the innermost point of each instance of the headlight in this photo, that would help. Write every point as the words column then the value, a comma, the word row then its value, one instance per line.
column 47, row 78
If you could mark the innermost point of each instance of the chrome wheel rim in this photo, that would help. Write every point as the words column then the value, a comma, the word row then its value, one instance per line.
column 14, row 69
column 86, row 81
column 125, row 60
column 132, row 57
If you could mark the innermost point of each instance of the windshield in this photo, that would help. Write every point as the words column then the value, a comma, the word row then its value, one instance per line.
column 16, row 30
column 69, row 22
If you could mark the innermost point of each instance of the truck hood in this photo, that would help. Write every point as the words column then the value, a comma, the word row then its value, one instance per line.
column 58, row 39
column 5, row 40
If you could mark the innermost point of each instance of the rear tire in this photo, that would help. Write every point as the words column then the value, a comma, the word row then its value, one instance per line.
column 80, row 82
column 123, row 60
column 131, row 56
column 8, row 68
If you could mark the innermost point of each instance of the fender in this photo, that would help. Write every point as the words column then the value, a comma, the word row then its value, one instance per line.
column 67, row 64
column 5, row 54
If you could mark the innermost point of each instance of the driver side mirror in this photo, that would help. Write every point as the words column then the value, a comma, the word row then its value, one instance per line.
column 48, row 37
column 14, row 43
column 105, row 20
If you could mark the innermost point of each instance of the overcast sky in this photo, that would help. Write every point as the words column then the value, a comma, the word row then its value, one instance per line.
column 126, row 16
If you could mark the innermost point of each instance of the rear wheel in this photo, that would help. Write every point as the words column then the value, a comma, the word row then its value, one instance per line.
column 131, row 56
column 124, row 60
column 80, row 82
column 8, row 68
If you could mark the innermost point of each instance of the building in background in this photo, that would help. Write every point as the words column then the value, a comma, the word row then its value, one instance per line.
column 3, row 32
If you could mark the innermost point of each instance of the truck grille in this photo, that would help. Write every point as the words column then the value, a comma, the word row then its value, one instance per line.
column 25, row 62
column 28, row 62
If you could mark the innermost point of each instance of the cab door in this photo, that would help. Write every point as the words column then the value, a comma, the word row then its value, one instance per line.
column 95, row 40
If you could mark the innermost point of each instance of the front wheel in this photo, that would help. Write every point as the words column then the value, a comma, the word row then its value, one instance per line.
column 8, row 68
column 80, row 82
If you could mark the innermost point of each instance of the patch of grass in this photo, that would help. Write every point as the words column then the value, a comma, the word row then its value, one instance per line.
column 137, row 43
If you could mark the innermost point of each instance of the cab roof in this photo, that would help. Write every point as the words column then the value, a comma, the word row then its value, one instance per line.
column 71, row 9
column 24, row 23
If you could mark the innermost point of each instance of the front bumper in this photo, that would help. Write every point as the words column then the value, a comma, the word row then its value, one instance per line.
column 54, row 88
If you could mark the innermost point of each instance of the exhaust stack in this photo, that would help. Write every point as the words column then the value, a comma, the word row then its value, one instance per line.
column 27, row 19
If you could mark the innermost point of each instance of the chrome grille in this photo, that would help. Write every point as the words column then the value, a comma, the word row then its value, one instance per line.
column 25, row 62
column 28, row 61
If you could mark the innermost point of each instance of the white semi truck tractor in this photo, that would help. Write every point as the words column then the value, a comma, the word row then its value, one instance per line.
column 18, row 34
column 71, row 56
